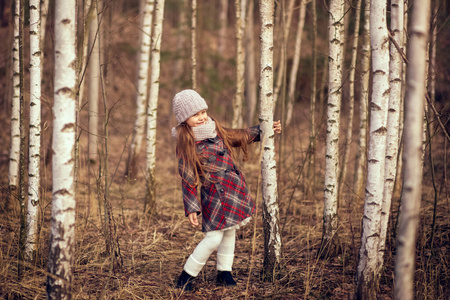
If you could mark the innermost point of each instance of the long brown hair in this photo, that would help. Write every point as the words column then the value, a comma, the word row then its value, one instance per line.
column 234, row 140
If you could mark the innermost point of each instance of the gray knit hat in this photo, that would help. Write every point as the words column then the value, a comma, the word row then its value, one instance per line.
column 187, row 103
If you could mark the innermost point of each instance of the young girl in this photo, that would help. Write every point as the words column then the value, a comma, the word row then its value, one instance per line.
column 206, row 153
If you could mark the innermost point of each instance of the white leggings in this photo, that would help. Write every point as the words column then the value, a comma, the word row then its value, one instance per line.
column 223, row 241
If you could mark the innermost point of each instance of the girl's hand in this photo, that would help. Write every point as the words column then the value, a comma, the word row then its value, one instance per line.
column 193, row 219
column 277, row 126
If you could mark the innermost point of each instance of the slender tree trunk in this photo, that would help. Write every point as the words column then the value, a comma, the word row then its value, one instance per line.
column 14, row 153
column 141, row 95
column 62, row 232
column 367, row 272
column 150, row 203
column 270, row 211
column 43, row 19
column 194, row 44
column 182, row 30
column 361, row 154
column 412, row 152
column 392, row 142
column 312, row 109
column 296, row 62
column 250, row 65
column 286, row 20
column 223, row 20
column 35, row 131
column 330, row 243
column 351, row 100
column 240, row 64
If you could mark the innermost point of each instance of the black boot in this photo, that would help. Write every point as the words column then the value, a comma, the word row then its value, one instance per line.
column 225, row 278
column 184, row 281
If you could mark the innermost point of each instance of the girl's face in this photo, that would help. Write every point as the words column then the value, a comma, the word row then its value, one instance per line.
column 198, row 119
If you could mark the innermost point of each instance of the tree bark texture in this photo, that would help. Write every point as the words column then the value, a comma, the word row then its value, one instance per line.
column 270, row 210
column 150, row 202
column 367, row 271
column 330, row 216
column 62, row 232
column 412, row 152
column 240, row 64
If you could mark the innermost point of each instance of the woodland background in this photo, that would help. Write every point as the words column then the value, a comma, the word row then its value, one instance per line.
column 154, row 248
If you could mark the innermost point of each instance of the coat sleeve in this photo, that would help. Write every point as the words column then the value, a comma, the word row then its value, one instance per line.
column 189, row 189
column 254, row 133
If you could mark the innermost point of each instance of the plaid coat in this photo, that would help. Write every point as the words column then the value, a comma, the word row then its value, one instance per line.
column 225, row 200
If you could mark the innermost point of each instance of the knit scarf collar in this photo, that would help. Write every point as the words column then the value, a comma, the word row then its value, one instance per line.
column 202, row 132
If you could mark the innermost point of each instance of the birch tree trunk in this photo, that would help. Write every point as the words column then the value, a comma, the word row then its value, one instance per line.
column 94, row 82
column 142, row 88
column 296, row 62
column 240, row 64
column 150, row 200
column 35, row 131
column 330, row 245
column 412, row 152
column 250, row 65
column 194, row 44
column 367, row 271
column 360, row 165
column 14, row 153
column 351, row 99
column 270, row 211
column 312, row 108
column 286, row 24
column 62, row 231
column 393, row 120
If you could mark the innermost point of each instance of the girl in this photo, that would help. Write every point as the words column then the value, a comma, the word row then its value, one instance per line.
column 206, row 153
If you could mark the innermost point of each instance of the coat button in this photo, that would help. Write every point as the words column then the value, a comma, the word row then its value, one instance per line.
column 221, row 152
column 212, row 158
column 221, row 190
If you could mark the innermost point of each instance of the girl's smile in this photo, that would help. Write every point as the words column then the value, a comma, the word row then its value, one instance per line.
column 198, row 119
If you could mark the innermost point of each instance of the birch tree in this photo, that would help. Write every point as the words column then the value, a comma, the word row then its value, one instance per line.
column 351, row 98
column 270, row 210
column 296, row 61
column 14, row 153
column 62, row 231
column 142, row 86
column 34, row 148
column 240, row 64
column 194, row 44
column 150, row 200
column 360, row 165
column 223, row 20
column 393, row 120
column 412, row 152
column 250, row 64
column 330, row 244
column 367, row 271
column 94, row 83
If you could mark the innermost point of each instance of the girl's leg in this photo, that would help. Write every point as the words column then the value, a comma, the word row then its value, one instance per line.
column 225, row 251
column 198, row 258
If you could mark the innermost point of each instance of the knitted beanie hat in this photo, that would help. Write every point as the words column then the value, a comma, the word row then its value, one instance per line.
column 187, row 103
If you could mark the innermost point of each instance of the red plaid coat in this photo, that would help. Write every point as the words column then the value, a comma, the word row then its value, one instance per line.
column 225, row 200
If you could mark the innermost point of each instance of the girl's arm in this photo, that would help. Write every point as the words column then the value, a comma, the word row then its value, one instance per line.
column 189, row 189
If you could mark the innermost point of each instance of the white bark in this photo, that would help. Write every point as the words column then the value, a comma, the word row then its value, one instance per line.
column 250, row 65
column 35, row 130
column 360, row 164
column 94, row 82
column 62, row 232
column 14, row 153
column 240, row 64
column 295, row 62
column 153, row 105
column 330, row 217
column 392, row 142
column 142, row 85
column 412, row 152
column 272, row 237
column 367, row 272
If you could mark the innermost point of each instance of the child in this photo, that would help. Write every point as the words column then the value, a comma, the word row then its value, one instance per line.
column 206, row 153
